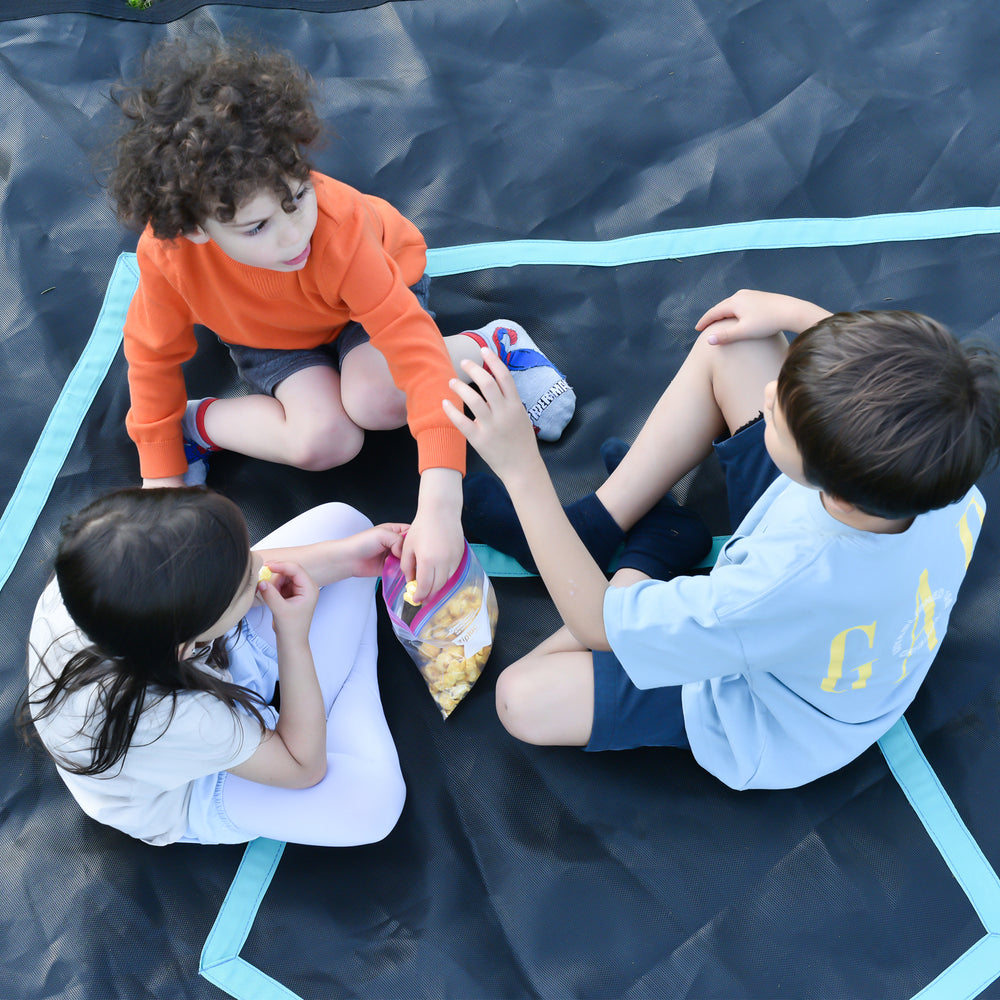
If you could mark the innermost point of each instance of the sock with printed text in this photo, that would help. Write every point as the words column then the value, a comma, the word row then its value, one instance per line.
column 547, row 396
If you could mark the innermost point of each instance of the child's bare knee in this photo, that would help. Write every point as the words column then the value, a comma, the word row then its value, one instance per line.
column 377, row 411
column 325, row 448
column 514, row 704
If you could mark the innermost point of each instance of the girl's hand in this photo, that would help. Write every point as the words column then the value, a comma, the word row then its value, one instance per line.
column 291, row 597
column 750, row 315
column 365, row 552
column 500, row 429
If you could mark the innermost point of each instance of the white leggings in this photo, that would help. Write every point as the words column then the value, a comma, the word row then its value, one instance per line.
column 361, row 797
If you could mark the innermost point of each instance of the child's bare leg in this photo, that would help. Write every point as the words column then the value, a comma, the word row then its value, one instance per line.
column 717, row 387
column 304, row 424
column 371, row 398
column 369, row 394
column 547, row 697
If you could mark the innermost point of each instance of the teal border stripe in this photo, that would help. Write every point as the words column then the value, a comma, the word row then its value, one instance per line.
column 766, row 234
column 220, row 961
column 498, row 564
column 969, row 975
column 67, row 415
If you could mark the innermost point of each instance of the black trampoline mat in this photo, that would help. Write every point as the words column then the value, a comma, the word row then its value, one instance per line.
column 518, row 871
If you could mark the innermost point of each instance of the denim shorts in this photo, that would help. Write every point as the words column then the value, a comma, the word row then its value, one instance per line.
column 263, row 369
column 625, row 716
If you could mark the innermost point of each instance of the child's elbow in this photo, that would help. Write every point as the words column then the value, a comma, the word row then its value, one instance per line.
column 590, row 634
column 311, row 774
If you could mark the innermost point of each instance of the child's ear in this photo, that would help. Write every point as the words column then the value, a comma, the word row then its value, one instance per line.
column 197, row 235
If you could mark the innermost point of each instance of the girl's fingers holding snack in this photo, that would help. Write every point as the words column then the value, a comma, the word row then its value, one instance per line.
column 292, row 581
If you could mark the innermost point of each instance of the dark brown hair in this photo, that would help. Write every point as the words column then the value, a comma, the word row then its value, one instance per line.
column 142, row 573
column 889, row 411
column 210, row 126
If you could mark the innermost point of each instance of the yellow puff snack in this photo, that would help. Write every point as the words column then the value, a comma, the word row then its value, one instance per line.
column 449, row 673
column 408, row 591
column 264, row 574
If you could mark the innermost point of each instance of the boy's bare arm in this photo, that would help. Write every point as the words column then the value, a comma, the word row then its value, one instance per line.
column 751, row 314
column 167, row 481
column 502, row 433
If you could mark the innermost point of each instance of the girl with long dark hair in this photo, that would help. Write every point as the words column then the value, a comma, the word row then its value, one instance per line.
column 154, row 661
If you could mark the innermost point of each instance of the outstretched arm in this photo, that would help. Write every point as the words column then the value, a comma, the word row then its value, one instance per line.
column 501, row 432
column 434, row 544
column 337, row 559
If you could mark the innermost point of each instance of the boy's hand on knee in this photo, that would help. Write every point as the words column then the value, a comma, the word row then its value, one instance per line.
column 751, row 314
column 500, row 429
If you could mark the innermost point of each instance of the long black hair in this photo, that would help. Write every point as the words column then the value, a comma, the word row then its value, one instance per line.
column 143, row 573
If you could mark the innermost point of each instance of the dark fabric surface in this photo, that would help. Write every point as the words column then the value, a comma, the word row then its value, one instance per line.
column 515, row 871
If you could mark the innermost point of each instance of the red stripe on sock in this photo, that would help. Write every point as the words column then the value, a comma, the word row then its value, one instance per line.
column 199, row 422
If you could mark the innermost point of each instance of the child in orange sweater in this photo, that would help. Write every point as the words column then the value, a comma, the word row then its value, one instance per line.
column 318, row 291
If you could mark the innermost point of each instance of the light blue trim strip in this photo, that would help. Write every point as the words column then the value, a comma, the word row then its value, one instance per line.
column 67, row 415
column 941, row 820
column 968, row 975
column 498, row 564
column 220, row 962
column 972, row 972
column 765, row 234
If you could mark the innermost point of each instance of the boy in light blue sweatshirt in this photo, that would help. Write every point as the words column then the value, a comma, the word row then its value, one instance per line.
column 850, row 460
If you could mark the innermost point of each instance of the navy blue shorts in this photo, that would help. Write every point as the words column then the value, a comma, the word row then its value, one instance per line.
column 626, row 716
column 264, row 369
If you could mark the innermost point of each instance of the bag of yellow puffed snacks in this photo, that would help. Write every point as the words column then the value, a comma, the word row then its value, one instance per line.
column 450, row 635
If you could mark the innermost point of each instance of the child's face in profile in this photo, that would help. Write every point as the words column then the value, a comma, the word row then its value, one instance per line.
column 263, row 234
column 243, row 600
column 778, row 438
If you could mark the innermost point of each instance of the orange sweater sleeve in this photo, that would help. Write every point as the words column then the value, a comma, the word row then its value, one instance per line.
column 371, row 284
column 158, row 339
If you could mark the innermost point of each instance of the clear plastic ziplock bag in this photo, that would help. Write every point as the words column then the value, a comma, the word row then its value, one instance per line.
column 450, row 635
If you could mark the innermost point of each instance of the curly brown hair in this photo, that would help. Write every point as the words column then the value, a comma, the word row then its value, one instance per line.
column 211, row 125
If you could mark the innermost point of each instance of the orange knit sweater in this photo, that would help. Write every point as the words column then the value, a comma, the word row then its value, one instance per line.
column 365, row 255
